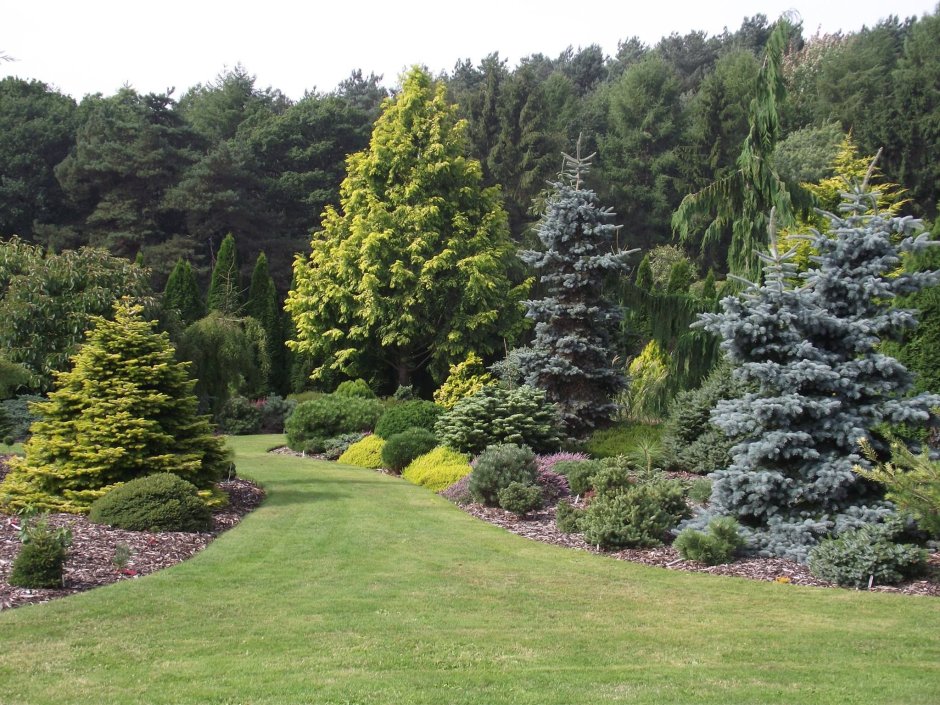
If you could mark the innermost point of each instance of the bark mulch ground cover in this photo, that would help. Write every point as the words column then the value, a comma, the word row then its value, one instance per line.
column 90, row 561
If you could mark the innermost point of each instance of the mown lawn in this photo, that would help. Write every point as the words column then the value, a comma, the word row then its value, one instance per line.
column 347, row 586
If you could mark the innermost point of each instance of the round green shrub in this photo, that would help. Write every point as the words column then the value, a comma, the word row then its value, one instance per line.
column 499, row 466
column 313, row 421
column 416, row 413
column 355, row 388
column 401, row 448
column 494, row 415
column 160, row 502
column 437, row 470
column 519, row 498
column 366, row 453
column 866, row 553
column 39, row 564
column 579, row 474
column 636, row 517
column 274, row 411
column 240, row 417
column 610, row 480
column 714, row 547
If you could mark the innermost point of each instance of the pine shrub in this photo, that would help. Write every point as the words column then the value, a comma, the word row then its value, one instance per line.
column 160, row 502
column 639, row 516
column 401, row 448
column 240, row 417
column 439, row 469
column 866, row 553
column 579, row 474
column 713, row 547
column 497, row 467
column 568, row 518
column 497, row 415
column 328, row 416
column 610, row 480
column 366, row 453
column 519, row 498
column 417, row 413
column 41, row 560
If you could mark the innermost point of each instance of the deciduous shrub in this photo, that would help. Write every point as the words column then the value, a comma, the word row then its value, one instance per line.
column 160, row 502
column 401, row 448
column 355, row 388
column 313, row 421
column 366, row 453
column 567, row 518
column 716, row 546
column 867, row 553
column 409, row 414
column 579, row 474
column 240, row 417
column 636, row 517
column 499, row 466
column 519, row 498
column 496, row 415
column 440, row 468
column 40, row 561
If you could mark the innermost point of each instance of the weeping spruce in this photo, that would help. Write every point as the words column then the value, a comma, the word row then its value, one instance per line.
column 813, row 355
column 571, row 356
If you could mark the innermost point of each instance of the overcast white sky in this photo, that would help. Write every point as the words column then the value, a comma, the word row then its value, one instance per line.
column 90, row 46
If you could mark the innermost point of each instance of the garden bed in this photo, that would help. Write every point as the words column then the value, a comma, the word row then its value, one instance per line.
column 90, row 561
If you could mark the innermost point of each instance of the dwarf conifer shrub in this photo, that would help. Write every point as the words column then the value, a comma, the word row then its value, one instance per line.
column 610, row 480
column 314, row 421
column 416, row 413
column 274, row 411
column 334, row 447
column 240, row 417
column 366, row 453
column 568, row 518
column 355, row 388
column 519, row 498
column 401, row 448
column 160, row 502
column 439, row 469
column 40, row 562
column 499, row 466
column 465, row 379
column 495, row 415
column 579, row 474
column 636, row 517
column 866, row 553
column 715, row 546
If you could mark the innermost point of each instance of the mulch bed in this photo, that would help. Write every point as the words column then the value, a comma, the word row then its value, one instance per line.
column 90, row 558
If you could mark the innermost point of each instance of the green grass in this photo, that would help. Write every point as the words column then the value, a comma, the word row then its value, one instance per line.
column 348, row 586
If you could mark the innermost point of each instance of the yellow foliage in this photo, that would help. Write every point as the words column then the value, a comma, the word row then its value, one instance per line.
column 438, row 469
column 366, row 453
column 465, row 379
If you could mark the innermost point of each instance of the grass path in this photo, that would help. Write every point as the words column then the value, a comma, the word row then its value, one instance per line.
column 347, row 587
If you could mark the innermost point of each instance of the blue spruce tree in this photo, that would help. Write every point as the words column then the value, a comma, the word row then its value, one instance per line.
column 813, row 354
column 571, row 355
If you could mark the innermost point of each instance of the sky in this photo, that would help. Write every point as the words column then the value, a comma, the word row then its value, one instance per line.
column 97, row 46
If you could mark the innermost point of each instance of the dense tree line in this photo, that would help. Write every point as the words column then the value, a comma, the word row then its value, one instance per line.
column 165, row 179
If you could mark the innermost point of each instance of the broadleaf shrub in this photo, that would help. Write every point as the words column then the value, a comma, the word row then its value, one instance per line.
column 439, row 469
column 160, row 502
column 714, row 547
column 636, row 517
column 866, row 553
column 497, row 467
column 416, row 413
column 401, row 448
column 495, row 415
column 313, row 421
column 366, row 453
column 519, row 498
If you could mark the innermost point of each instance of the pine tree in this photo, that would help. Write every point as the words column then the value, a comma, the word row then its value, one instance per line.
column 571, row 355
column 262, row 306
column 182, row 293
column 822, row 384
column 125, row 410
column 224, row 289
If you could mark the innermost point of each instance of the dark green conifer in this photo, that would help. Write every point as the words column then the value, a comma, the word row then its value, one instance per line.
column 224, row 290
column 182, row 293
